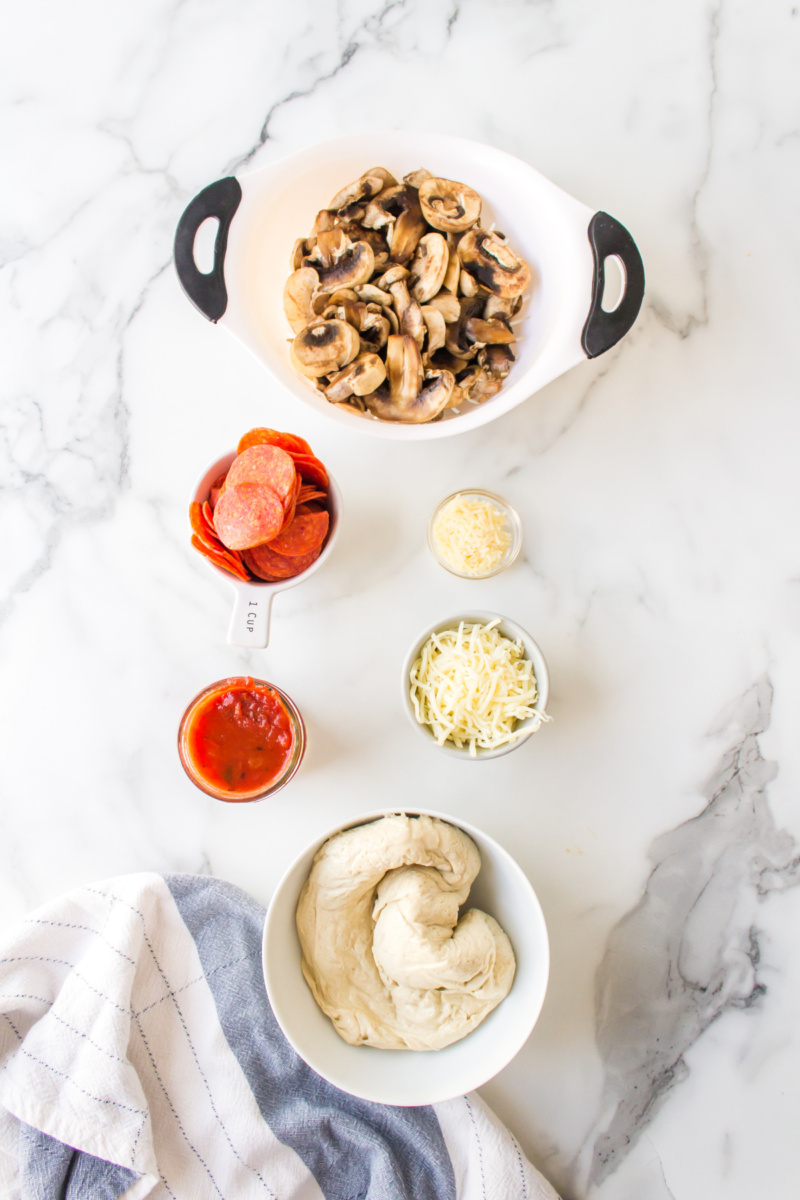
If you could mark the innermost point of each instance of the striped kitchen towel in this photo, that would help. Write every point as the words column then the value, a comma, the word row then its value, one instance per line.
column 139, row 1057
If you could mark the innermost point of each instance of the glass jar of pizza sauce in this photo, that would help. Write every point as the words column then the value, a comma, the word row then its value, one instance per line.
column 241, row 739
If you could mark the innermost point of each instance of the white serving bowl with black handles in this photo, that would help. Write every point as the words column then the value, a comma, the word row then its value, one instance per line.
column 261, row 213
column 411, row 1077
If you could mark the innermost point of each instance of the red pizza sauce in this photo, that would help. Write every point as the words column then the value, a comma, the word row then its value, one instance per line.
column 241, row 739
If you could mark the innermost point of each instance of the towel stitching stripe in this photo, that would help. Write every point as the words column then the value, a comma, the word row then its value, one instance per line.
column 190, row 1043
column 84, row 929
column 521, row 1167
column 184, row 1134
column 480, row 1148
column 99, row 1099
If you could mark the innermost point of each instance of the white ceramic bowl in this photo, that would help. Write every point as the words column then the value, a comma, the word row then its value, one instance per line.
column 410, row 1077
column 509, row 629
column 261, row 214
column 252, row 606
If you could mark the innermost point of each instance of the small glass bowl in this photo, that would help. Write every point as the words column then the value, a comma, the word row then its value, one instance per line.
column 512, row 523
column 292, row 765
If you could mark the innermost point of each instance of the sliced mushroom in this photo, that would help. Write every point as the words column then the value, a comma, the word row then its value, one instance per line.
column 448, row 306
column 371, row 294
column 363, row 188
column 479, row 385
column 476, row 330
column 391, row 276
column 456, row 340
column 298, row 293
column 399, row 403
column 436, row 328
column 456, row 398
column 323, row 347
column 443, row 360
column 450, row 281
column 415, row 178
column 413, row 323
column 501, row 306
column 375, row 327
column 497, row 359
column 398, row 208
column 300, row 249
column 364, row 374
column 448, row 205
column 353, row 265
column 404, row 371
column 494, row 264
column 400, row 296
column 467, row 285
column 429, row 266
column 330, row 245
column 324, row 222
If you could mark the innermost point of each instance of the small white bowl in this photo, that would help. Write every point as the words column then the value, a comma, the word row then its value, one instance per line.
column 253, row 603
column 509, row 629
column 412, row 1077
column 513, row 527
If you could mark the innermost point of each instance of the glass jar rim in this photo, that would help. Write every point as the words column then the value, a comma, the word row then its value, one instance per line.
column 246, row 682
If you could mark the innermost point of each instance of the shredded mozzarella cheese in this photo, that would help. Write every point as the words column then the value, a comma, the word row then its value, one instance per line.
column 472, row 686
column 471, row 535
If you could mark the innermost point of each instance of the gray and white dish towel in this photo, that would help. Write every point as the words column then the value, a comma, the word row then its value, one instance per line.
column 139, row 1057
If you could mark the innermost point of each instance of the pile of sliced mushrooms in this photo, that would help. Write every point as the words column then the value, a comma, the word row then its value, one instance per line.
column 400, row 302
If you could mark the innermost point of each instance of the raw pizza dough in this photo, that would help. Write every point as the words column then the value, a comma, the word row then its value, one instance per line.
column 384, row 951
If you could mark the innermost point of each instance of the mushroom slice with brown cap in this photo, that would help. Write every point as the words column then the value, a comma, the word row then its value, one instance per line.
column 323, row 347
column 428, row 267
column 415, row 178
column 456, row 340
column 399, row 208
column 497, row 359
column 375, row 328
column 436, row 330
column 298, row 294
column 491, row 260
column 450, row 281
column 476, row 330
column 448, row 306
column 413, row 323
column 467, row 284
column 479, row 385
column 371, row 294
column 353, row 267
column 426, row 405
column 364, row 374
column 363, row 188
column 448, row 205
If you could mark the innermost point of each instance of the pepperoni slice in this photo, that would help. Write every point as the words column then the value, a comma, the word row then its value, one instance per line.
column 216, row 488
column 309, row 492
column 268, row 565
column 306, row 532
column 254, row 569
column 227, row 563
column 268, row 466
column 272, row 437
column 246, row 515
column 311, row 469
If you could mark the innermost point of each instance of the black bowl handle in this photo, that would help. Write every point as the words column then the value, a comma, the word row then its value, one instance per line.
column 207, row 292
column 604, row 329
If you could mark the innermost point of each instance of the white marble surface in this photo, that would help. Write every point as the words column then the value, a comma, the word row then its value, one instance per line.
column 658, row 816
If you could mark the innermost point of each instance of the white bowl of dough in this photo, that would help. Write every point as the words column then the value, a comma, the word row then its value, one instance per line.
column 402, row 1076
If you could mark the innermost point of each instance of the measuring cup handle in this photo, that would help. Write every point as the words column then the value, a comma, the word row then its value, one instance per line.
column 250, row 617
column 604, row 329
column 207, row 291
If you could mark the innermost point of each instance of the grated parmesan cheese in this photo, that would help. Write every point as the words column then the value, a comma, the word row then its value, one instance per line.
column 472, row 686
column 471, row 535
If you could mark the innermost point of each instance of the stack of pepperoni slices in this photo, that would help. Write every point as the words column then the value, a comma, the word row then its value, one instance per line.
column 267, row 517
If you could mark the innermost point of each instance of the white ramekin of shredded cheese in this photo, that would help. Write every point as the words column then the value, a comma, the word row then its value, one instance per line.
column 474, row 533
column 476, row 685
